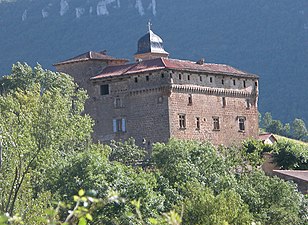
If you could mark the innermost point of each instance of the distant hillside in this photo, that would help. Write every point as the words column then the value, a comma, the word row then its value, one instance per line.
column 265, row 37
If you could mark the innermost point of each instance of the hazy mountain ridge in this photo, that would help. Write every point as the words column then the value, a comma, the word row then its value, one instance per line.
column 269, row 38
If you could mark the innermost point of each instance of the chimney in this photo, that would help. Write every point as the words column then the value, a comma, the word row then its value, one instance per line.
column 201, row 61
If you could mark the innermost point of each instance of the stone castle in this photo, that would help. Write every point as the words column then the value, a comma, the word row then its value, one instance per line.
column 157, row 98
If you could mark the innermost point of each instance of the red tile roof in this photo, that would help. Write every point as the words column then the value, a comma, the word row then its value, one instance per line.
column 91, row 56
column 174, row 64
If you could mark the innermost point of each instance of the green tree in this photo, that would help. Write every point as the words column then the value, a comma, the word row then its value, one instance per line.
column 275, row 127
column 299, row 130
column 39, row 130
column 267, row 120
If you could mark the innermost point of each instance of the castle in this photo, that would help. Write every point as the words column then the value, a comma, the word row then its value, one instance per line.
column 157, row 98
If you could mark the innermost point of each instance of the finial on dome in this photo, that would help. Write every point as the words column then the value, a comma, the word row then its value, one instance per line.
column 149, row 25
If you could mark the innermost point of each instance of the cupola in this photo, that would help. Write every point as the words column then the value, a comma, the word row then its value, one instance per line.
column 150, row 46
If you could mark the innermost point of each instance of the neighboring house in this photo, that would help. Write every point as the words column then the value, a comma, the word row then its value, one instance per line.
column 267, row 138
column 156, row 98
column 300, row 177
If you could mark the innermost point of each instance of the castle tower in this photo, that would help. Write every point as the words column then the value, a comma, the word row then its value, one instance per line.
column 150, row 46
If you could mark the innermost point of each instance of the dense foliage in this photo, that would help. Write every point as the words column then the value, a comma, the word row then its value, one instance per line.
column 296, row 130
column 47, row 157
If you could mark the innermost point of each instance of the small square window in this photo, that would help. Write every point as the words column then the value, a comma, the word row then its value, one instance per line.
column 162, row 75
column 182, row 121
column 105, row 89
column 216, row 125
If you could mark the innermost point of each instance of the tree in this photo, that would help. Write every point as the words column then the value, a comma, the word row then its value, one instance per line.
column 267, row 120
column 299, row 130
column 275, row 127
column 39, row 129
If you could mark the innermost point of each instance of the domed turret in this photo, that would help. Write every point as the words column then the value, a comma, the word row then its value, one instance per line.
column 150, row 46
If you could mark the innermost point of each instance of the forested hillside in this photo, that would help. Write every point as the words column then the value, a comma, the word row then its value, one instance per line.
column 265, row 37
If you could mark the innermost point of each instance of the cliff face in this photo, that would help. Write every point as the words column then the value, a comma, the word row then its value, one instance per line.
column 265, row 37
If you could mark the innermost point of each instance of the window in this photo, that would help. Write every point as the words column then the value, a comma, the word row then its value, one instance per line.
column 198, row 123
column 118, row 102
column 105, row 89
column 136, row 79
column 182, row 121
column 241, row 123
column 190, row 99
column 233, row 82
column 247, row 104
column 147, row 78
column 200, row 78
column 119, row 125
column 188, row 77
column 216, row 123
column 222, row 81
column 244, row 83
column 211, row 79
column 224, row 103
column 180, row 76
column 162, row 75
column 256, row 84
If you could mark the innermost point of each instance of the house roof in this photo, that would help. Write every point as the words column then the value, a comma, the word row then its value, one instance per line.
column 91, row 55
column 265, row 136
column 298, row 174
column 173, row 64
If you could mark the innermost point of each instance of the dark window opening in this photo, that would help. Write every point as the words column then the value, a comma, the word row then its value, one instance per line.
column 147, row 78
column 211, row 79
column 224, row 103
column 233, row 82
column 200, row 77
column 222, row 81
column 198, row 123
column 189, row 99
column 136, row 80
column 188, row 77
column 244, row 83
column 247, row 104
column 162, row 75
column 105, row 89
column 241, row 122
column 182, row 121
column 180, row 76
column 216, row 123
column 256, row 84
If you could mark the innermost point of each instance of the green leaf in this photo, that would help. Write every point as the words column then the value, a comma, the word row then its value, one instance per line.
column 81, row 192
column 82, row 221
column 89, row 217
